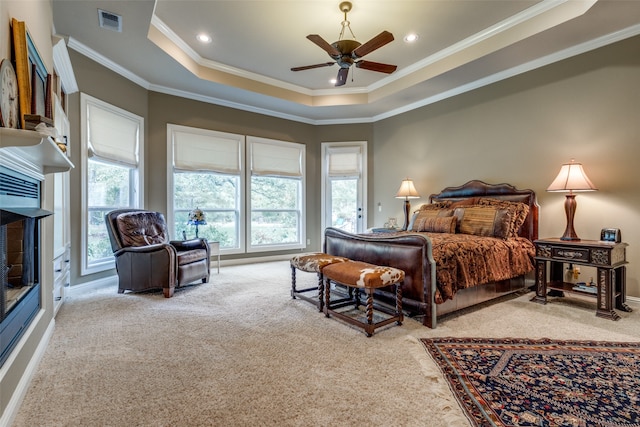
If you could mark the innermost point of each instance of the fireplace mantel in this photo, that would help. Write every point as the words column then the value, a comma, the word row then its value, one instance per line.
column 32, row 152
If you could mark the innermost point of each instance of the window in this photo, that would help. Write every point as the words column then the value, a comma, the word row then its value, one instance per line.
column 112, row 140
column 276, row 195
column 253, row 202
column 207, row 174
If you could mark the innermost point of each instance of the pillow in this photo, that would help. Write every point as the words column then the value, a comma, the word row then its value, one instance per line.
column 471, row 201
column 519, row 212
column 444, row 224
column 428, row 211
column 142, row 228
column 487, row 221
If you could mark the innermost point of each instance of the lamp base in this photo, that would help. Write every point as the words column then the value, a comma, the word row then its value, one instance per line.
column 407, row 209
column 570, row 211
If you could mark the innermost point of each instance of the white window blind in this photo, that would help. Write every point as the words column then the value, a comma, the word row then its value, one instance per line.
column 112, row 136
column 275, row 158
column 210, row 151
column 344, row 161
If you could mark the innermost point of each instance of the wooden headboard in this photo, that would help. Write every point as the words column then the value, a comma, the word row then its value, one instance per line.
column 508, row 192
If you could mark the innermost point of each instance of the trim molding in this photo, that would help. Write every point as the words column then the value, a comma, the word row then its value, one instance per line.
column 532, row 65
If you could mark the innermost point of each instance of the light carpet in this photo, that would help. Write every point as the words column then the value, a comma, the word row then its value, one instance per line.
column 239, row 351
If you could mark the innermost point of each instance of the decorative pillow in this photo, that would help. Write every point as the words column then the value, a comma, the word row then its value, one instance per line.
column 428, row 211
column 142, row 228
column 444, row 224
column 519, row 212
column 471, row 201
column 487, row 221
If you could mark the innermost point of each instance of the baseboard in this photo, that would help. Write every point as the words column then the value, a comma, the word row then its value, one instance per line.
column 20, row 392
column 634, row 300
column 256, row 260
column 113, row 280
column 95, row 284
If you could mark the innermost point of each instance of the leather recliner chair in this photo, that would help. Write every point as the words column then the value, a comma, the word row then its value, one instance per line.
column 146, row 258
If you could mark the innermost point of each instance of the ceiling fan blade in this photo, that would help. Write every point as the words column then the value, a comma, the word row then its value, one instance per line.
column 373, row 44
column 376, row 66
column 332, row 51
column 342, row 76
column 309, row 67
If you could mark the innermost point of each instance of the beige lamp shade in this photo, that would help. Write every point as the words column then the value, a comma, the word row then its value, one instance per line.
column 572, row 178
column 407, row 190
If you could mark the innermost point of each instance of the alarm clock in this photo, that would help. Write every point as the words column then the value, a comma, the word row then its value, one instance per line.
column 610, row 235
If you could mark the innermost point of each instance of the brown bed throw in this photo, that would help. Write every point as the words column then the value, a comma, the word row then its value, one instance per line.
column 465, row 260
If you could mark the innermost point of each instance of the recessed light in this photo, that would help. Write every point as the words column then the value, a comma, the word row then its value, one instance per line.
column 410, row 38
column 204, row 38
column 333, row 81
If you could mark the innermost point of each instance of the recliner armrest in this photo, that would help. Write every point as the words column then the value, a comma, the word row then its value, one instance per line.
column 187, row 245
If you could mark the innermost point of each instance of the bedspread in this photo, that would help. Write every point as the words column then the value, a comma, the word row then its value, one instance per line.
column 465, row 260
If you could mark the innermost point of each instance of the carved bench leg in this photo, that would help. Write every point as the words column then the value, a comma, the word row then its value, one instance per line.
column 293, row 282
column 399, row 303
column 369, row 326
column 327, row 297
column 320, row 291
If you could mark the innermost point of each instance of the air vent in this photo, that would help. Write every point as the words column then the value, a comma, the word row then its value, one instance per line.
column 110, row 21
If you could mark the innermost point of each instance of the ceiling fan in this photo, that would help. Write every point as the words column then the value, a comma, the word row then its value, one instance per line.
column 347, row 52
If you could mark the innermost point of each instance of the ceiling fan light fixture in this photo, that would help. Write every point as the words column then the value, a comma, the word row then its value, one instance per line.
column 347, row 52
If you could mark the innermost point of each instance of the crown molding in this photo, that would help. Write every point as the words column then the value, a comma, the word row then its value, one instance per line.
column 532, row 65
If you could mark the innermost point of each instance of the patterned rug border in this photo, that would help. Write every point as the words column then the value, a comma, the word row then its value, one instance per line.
column 479, row 408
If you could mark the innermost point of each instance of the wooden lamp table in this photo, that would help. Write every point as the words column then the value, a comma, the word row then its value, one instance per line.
column 608, row 257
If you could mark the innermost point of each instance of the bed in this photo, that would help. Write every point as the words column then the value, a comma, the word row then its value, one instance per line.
column 468, row 245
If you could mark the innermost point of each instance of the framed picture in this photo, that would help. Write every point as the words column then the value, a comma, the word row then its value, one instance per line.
column 34, row 84
column 23, row 71
column 40, row 82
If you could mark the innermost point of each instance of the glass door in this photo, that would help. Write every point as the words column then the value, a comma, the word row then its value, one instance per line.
column 344, row 181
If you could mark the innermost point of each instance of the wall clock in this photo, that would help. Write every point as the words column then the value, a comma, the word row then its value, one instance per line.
column 8, row 95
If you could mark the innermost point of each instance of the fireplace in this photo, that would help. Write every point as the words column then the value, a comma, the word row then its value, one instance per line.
column 20, row 199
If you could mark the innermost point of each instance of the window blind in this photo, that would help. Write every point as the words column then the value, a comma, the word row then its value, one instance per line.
column 344, row 161
column 213, row 151
column 112, row 136
column 275, row 158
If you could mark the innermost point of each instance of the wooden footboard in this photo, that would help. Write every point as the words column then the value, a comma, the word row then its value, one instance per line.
column 413, row 253
column 408, row 252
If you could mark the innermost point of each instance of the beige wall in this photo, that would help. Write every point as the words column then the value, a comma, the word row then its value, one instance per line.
column 520, row 131
column 99, row 82
column 160, row 109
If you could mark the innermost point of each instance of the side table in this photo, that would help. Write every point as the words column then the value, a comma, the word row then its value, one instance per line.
column 608, row 257
column 214, row 248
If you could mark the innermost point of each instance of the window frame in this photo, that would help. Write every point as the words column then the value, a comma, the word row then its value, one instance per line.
column 171, row 129
column 136, row 195
column 301, row 244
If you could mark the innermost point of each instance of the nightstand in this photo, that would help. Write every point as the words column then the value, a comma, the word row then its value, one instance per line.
column 608, row 257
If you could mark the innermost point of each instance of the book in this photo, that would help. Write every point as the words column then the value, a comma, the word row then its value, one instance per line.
column 585, row 288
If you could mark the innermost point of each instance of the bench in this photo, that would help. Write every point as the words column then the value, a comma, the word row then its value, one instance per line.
column 359, row 275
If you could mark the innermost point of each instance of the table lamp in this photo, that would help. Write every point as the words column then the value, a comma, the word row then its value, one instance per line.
column 407, row 191
column 571, row 178
column 197, row 217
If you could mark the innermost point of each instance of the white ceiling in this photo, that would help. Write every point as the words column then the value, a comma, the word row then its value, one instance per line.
column 463, row 44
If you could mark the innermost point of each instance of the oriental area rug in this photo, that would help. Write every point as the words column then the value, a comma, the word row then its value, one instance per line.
column 523, row 382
